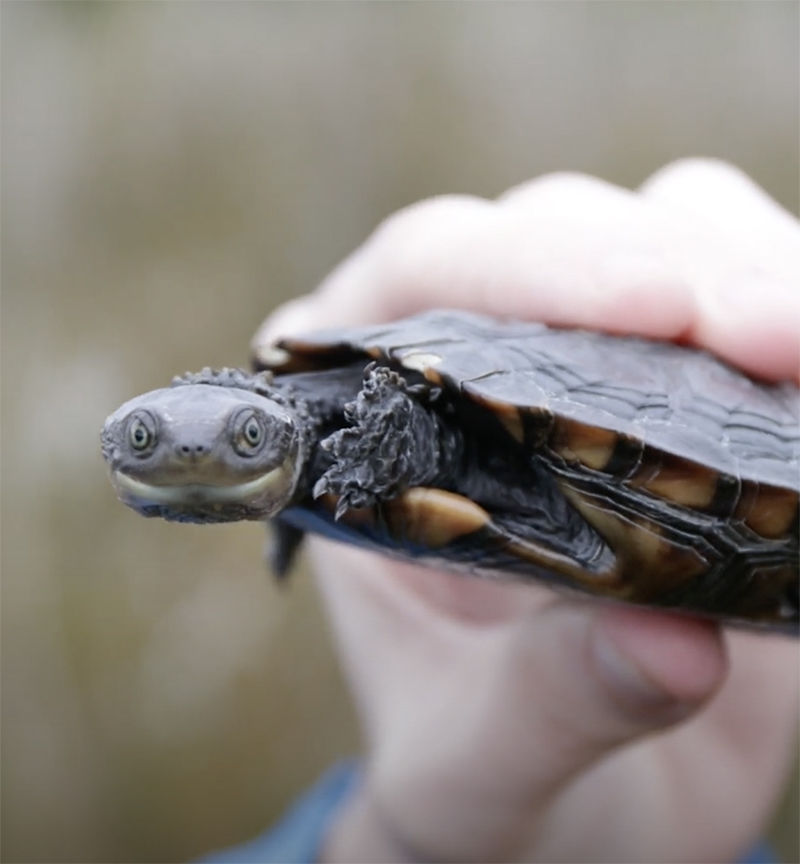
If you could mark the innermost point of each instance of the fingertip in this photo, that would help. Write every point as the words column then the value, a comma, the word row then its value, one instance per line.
column 564, row 190
column 707, row 185
column 292, row 318
column 753, row 324
column 690, row 171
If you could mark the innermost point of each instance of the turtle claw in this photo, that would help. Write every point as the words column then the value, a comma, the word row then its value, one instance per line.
column 321, row 487
column 345, row 488
column 342, row 506
column 350, row 496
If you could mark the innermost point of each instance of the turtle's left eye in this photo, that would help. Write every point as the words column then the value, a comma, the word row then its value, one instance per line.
column 141, row 433
column 250, row 434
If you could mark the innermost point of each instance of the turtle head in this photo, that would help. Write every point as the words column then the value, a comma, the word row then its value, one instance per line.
column 203, row 453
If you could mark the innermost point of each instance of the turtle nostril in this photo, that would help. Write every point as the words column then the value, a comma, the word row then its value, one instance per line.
column 191, row 449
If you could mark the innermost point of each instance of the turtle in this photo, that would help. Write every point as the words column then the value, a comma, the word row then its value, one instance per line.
column 621, row 467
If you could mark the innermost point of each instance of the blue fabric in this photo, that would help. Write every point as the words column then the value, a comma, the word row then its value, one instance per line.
column 761, row 853
column 298, row 837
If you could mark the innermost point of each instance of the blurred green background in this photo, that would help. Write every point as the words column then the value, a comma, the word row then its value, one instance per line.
column 173, row 171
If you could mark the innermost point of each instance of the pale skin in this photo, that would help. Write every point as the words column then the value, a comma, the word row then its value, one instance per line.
column 510, row 723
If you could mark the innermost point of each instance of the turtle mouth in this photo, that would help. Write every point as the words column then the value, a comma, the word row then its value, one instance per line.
column 265, row 495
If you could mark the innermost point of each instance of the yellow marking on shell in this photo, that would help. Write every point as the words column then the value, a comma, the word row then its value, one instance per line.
column 512, row 421
column 649, row 467
column 682, row 482
column 425, row 362
column 589, row 445
column 767, row 510
column 432, row 518
column 509, row 415
column 375, row 353
column 287, row 356
column 648, row 563
column 420, row 360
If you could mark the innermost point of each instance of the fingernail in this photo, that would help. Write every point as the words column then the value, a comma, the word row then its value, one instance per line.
column 288, row 320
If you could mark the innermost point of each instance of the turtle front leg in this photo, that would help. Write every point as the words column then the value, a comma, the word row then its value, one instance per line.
column 396, row 441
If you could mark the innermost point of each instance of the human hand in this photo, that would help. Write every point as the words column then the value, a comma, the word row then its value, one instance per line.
column 508, row 722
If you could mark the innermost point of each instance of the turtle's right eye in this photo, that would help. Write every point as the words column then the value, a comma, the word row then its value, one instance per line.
column 141, row 434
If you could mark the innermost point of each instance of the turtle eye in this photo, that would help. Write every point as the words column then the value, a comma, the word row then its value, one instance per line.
column 253, row 432
column 250, row 434
column 141, row 434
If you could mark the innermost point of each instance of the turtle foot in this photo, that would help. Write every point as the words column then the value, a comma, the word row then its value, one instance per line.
column 391, row 444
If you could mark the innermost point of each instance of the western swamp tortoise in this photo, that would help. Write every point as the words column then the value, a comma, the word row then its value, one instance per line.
column 624, row 467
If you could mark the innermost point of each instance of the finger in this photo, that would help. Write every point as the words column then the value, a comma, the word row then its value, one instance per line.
column 517, row 704
column 736, row 248
column 724, row 199
column 638, row 678
column 752, row 321
column 748, row 311
column 745, row 738
column 570, row 251
column 566, row 268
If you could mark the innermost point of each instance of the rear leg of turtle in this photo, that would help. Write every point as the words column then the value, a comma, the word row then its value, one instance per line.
column 396, row 440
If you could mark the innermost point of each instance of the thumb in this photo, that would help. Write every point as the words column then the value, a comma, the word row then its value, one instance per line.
column 478, row 722
column 657, row 667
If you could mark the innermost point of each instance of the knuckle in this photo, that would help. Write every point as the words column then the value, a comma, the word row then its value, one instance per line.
column 694, row 172
column 557, row 186
column 424, row 217
column 421, row 239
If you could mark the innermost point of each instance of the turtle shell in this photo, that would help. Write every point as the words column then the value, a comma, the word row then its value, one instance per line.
column 686, row 467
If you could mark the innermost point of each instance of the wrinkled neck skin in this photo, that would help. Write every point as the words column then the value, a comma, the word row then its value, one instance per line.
column 319, row 398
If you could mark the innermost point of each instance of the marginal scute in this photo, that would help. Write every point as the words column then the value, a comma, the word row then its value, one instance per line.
column 538, row 423
column 509, row 415
column 627, row 456
column 290, row 355
column 592, row 446
column 432, row 517
column 420, row 361
column 272, row 357
column 648, row 468
column 512, row 422
column 726, row 495
column 294, row 362
column 683, row 482
column 768, row 511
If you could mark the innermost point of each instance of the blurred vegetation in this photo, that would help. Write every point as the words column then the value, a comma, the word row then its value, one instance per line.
column 172, row 172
